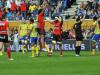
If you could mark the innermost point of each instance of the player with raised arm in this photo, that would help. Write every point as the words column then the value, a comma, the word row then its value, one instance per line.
column 41, row 29
column 57, row 33
column 78, row 33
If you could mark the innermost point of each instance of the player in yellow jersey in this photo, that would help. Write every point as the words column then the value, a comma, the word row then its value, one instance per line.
column 96, row 36
column 22, row 36
column 32, row 32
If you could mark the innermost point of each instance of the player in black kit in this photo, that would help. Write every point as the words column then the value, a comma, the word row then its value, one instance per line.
column 79, row 36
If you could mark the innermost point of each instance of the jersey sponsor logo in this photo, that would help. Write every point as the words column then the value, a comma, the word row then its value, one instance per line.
column 2, row 24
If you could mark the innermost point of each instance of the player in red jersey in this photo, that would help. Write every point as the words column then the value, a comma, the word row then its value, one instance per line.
column 41, row 29
column 57, row 33
column 5, row 37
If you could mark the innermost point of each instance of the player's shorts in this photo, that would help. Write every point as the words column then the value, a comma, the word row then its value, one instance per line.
column 57, row 38
column 96, row 37
column 23, row 38
column 41, row 31
column 33, row 40
column 79, row 37
column 4, row 38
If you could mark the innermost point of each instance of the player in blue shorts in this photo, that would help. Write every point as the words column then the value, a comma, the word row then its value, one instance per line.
column 23, row 36
column 32, row 32
column 96, row 37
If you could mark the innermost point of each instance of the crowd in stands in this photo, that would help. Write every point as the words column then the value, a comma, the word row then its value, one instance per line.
column 88, row 9
column 18, row 9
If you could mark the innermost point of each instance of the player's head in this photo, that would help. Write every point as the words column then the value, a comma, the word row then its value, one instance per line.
column 31, row 21
column 40, row 10
column 56, row 18
column 95, row 18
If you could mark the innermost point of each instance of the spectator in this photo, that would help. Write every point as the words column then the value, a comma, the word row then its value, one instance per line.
column 9, row 15
column 0, row 14
column 23, row 9
column 13, row 7
column 1, row 4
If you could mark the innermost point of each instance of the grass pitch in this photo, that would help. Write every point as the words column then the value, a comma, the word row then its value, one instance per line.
column 23, row 64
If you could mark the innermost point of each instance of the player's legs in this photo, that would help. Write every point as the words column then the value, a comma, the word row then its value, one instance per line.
column 8, row 51
column 60, row 44
column 78, row 46
column 42, row 40
column 22, row 41
column 59, row 41
column 37, row 50
column 1, row 45
column 95, row 38
column 34, row 47
column 93, row 47
column 53, row 44
column 24, row 44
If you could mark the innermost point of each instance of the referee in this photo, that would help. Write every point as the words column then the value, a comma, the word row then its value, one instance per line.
column 79, row 36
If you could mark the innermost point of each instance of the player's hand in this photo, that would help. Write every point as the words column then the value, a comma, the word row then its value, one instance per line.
column 9, row 39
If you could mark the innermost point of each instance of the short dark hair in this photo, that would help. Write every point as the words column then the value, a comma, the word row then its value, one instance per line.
column 31, row 20
column 95, row 18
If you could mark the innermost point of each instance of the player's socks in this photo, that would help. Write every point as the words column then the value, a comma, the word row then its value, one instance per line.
column 61, row 54
column 93, row 49
column 33, row 51
column 23, row 49
column 1, row 52
column 9, row 53
column 37, row 50
column 76, row 50
column 47, row 48
column 26, row 47
column 50, row 52
column 79, row 49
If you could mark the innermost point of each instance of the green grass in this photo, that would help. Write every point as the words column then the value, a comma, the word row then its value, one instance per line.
column 55, row 65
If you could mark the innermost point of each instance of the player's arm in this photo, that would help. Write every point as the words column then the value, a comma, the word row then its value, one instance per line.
column 94, row 27
column 8, row 32
column 19, row 29
column 49, row 20
column 61, row 20
column 82, row 18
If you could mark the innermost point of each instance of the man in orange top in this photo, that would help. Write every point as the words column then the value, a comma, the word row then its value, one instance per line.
column 5, row 37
